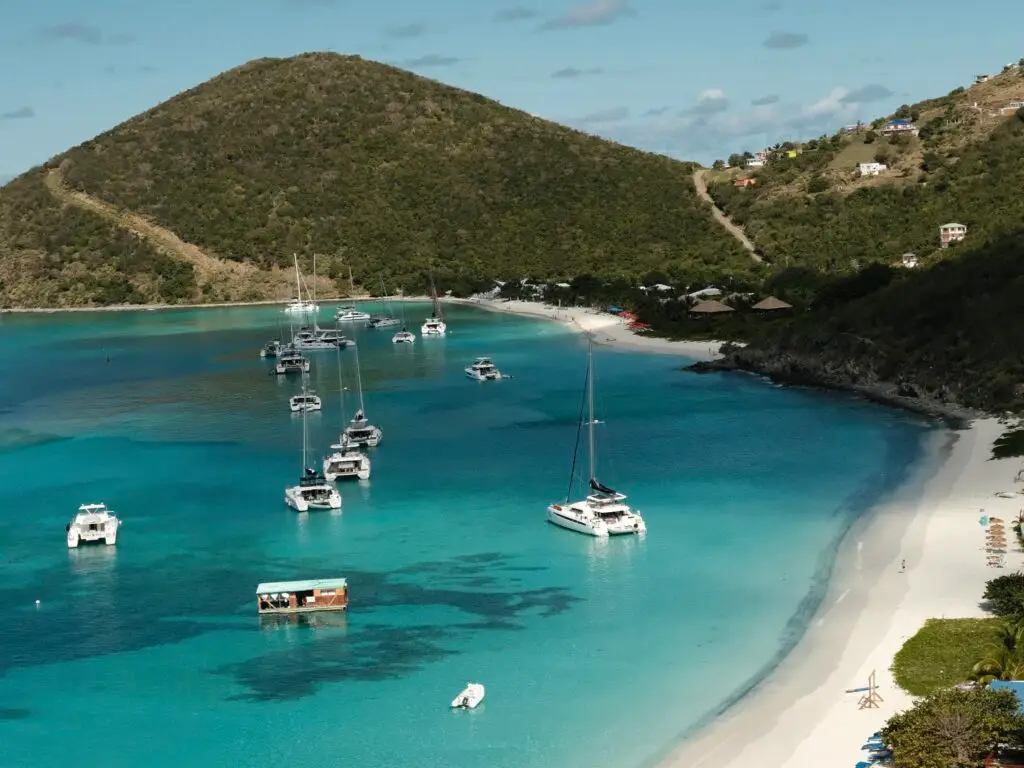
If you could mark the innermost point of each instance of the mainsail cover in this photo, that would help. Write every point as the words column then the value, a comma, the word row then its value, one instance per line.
column 601, row 487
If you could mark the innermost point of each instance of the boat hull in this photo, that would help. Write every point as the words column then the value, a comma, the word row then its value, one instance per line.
column 403, row 338
column 560, row 515
column 295, row 500
column 470, row 697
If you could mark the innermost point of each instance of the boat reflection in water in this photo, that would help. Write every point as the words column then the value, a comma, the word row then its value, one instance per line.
column 332, row 621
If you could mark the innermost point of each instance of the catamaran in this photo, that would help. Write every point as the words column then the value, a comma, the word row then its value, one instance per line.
column 346, row 460
column 313, row 490
column 348, row 313
column 291, row 361
column 387, row 320
column 94, row 522
column 297, row 305
column 307, row 401
column 604, row 511
column 404, row 336
column 434, row 325
column 483, row 369
column 360, row 431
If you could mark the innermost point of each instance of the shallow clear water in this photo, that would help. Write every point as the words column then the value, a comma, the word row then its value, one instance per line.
column 593, row 652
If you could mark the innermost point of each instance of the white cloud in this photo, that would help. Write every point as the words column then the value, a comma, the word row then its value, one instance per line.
column 593, row 14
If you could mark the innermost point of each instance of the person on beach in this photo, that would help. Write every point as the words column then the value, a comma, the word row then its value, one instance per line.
column 903, row 566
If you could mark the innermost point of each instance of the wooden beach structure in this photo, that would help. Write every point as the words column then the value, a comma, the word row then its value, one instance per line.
column 308, row 596
column 871, row 697
column 710, row 308
column 771, row 304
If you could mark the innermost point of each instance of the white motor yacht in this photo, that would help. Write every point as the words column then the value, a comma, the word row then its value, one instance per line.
column 403, row 337
column 313, row 340
column 291, row 362
column 94, row 522
column 604, row 511
column 470, row 697
column 483, row 369
column 345, row 462
column 312, row 492
column 351, row 315
column 334, row 337
column 304, row 402
column 297, row 307
column 271, row 349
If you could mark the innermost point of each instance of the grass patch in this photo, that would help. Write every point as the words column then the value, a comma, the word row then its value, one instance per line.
column 942, row 654
column 857, row 152
column 1009, row 444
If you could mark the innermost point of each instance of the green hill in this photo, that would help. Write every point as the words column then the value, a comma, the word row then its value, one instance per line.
column 814, row 210
column 207, row 196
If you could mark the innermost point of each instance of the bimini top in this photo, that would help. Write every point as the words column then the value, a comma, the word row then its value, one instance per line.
column 307, row 585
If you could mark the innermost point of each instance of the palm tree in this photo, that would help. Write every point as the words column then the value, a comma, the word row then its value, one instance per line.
column 1004, row 658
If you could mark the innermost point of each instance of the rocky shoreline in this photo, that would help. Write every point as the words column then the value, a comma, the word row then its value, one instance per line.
column 798, row 370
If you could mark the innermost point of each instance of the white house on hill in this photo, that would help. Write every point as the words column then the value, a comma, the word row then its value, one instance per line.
column 872, row 169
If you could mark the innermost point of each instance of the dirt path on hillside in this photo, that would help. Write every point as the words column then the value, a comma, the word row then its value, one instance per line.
column 231, row 280
column 701, row 185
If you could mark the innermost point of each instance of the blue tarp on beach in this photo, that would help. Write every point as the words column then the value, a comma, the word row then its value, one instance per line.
column 615, row 310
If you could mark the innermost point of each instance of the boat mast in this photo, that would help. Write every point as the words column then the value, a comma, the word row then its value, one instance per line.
column 314, row 279
column 298, row 282
column 359, row 383
column 351, row 283
column 590, row 405
column 341, row 383
column 305, row 437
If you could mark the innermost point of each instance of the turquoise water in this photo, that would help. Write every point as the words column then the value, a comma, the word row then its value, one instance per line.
column 593, row 652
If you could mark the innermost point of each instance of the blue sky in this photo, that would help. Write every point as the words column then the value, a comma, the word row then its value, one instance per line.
column 693, row 80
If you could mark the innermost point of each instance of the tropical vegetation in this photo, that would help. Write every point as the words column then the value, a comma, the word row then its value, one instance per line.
column 369, row 166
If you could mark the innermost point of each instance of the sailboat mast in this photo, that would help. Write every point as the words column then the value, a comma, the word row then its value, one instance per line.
column 359, row 382
column 590, row 407
column 305, row 434
column 298, row 282
column 341, row 385
column 314, row 278
column 351, row 283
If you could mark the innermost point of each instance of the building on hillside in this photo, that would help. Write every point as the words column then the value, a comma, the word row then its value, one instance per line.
column 979, row 79
column 951, row 233
column 742, row 183
column 1011, row 106
column 771, row 304
column 909, row 260
column 894, row 127
column 710, row 307
column 755, row 162
column 872, row 169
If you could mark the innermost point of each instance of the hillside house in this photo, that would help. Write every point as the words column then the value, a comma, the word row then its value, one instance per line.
column 755, row 162
column 744, row 183
column 894, row 127
column 1011, row 106
column 951, row 233
column 979, row 79
column 792, row 153
column 909, row 260
column 872, row 169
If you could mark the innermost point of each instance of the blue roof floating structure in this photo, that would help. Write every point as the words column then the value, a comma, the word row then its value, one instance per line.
column 307, row 585
column 1017, row 686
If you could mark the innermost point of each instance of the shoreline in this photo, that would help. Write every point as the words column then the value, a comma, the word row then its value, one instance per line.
column 606, row 329
column 798, row 715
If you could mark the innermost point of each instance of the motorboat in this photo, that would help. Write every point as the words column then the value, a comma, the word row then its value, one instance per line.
column 469, row 697
column 434, row 325
column 291, row 362
column 483, row 369
column 403, row 337
column 334, row 337
column 345, row 462
column 313, row 340
column 351, row 315
column 304, row 402
column 271, row 349
column 361, row 432
column 604, row 511
column 312, row 492
column 94, row 522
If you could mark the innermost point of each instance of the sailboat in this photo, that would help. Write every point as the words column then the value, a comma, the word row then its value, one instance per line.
column 404, row 336
column 297, row 305
column 360, row 431
column 387, row 320
column 604, row 511
column 346, row 460
column 348, row 313
column 434, row 325
column 313, row 490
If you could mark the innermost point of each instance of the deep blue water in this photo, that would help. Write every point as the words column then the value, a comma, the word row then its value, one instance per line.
column 593, row 652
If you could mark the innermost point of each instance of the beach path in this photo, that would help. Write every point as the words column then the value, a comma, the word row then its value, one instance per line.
column 701, row 185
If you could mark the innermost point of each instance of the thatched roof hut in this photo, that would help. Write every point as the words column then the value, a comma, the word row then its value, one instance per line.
column 710, row 307
column 770, row 304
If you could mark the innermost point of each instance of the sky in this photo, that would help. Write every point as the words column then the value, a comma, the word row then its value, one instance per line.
column 694, row 80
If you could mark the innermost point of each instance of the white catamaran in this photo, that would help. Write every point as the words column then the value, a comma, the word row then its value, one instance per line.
column 297, row 305
column 604, row 511
column 313, row 490
column 434, row 325
column 360, row 431
column 387, row 320
column 346, row 460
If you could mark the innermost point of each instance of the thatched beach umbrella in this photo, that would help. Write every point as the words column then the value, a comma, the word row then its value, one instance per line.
column 710, row 307
column 771, row 304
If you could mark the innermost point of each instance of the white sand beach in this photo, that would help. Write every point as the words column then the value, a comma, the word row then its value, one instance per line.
column 799, row 716
column 605, row 327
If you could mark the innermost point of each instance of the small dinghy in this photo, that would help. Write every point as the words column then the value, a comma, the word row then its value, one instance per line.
column 470, row 697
